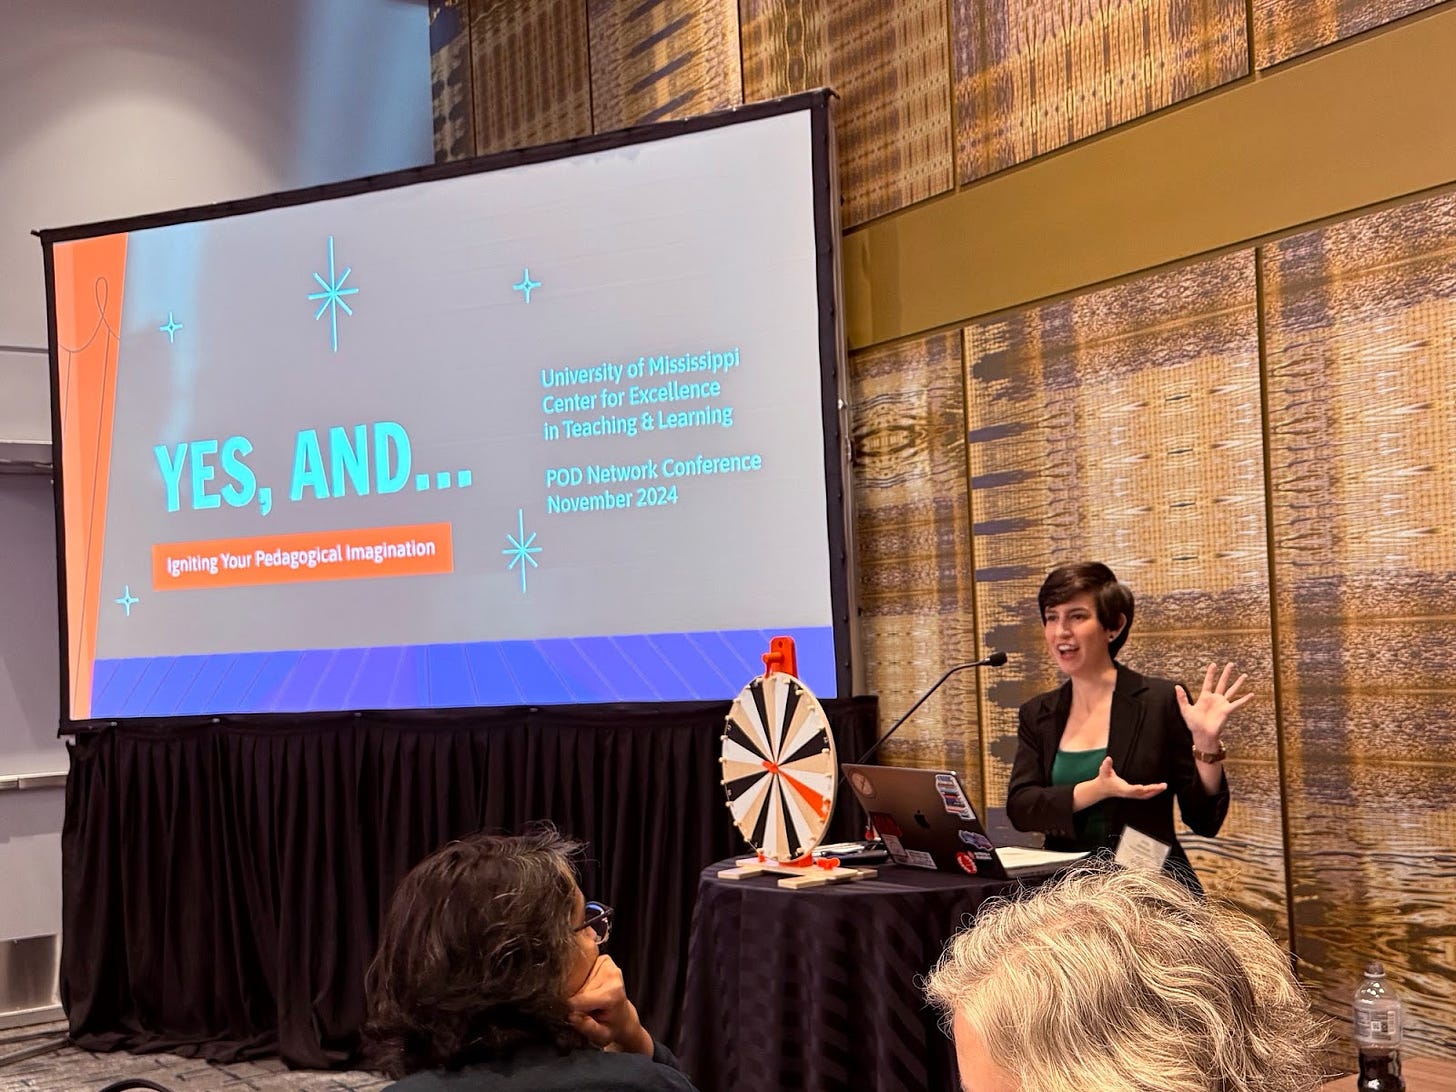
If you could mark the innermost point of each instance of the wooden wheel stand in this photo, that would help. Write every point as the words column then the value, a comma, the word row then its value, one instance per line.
column 778, row 760
column 797, row 874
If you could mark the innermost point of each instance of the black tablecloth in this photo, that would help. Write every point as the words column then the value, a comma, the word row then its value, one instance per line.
column 820, row 989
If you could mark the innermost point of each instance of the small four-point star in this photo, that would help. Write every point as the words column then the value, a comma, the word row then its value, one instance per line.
column 526, row 283
column 333, row 296
column 170, row 328
column 127, row 599
column 521, row 549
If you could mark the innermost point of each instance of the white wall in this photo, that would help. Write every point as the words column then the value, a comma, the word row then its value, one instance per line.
column 116, row 107
column 112, row 108
column 30, row 675
column 30, row 820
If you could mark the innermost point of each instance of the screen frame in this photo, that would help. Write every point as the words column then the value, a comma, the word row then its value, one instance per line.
column 832, row 369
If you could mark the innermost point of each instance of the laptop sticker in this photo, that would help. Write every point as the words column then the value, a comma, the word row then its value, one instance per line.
column 918, row 859
column 952, row 797
column 967, row 863
column 885, row 824
column 956, row 805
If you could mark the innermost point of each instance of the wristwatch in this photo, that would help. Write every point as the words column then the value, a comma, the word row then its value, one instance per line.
column 1211, row 757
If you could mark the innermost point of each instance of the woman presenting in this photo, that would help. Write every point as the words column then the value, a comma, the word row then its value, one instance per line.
column 1110, row 748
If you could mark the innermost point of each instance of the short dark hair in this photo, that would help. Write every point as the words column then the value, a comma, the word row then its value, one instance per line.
column 1113, row 599
column 474, row 953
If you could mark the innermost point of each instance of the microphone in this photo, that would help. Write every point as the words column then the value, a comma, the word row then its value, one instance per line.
column 996, row 659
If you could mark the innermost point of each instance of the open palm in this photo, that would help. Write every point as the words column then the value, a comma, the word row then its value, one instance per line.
column 1206, row 716
column 1112, row 783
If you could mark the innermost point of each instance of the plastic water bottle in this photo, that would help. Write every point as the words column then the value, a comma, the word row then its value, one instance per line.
column 1378, row 1026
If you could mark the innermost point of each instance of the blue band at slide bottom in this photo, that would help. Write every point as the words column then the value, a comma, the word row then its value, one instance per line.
column 628, row 668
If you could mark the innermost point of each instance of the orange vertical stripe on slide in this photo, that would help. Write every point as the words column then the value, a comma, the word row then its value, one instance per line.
column 88, row 286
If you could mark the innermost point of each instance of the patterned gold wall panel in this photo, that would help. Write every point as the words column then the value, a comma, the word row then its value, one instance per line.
column 654, row 60
column 450, row 59
column 1287, row 28
column 1035, row 75
column 888, row 63
column 1360, row 344
column 531, row 75
column 1124, row 425
column 908, row 427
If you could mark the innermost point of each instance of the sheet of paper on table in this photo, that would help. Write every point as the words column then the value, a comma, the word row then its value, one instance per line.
column 1016, row 858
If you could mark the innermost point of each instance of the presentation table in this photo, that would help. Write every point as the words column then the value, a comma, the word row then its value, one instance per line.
column 821, row 989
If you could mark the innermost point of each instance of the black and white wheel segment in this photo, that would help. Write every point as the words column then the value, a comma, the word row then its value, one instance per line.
column 779, row 766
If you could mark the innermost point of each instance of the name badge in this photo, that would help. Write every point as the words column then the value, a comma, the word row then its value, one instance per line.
column 1138, row 850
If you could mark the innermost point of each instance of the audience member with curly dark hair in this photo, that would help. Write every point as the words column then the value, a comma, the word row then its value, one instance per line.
column 489, row 976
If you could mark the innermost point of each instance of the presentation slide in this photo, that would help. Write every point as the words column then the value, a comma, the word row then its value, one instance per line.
column 553, row 433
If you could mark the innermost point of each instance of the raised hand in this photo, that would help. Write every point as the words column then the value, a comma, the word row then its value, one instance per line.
column 1206, row 716
column 602, row 1012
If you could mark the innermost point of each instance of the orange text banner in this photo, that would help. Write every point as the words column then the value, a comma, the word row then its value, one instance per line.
column 360, row 553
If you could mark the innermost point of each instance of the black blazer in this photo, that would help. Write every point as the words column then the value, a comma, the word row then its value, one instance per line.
column 1148, row 743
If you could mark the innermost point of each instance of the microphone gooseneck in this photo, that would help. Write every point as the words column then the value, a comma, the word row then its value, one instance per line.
column 996, row 659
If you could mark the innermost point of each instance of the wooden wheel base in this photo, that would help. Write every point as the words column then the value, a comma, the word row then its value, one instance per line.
column 795, row 877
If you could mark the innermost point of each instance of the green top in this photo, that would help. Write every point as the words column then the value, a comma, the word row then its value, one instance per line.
column 1072, row 768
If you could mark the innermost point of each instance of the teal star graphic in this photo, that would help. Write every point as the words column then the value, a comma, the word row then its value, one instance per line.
column 521, row 549
column 526, row 284
column 333, row 296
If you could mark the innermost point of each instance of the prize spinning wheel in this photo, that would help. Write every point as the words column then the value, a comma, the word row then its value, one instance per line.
column 779, row 767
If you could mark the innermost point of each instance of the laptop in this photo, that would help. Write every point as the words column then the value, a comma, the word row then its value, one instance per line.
column 926, row 820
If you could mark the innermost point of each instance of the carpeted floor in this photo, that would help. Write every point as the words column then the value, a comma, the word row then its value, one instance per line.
column 70, row 1070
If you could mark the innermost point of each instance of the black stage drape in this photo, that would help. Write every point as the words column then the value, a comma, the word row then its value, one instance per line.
column 223, row 883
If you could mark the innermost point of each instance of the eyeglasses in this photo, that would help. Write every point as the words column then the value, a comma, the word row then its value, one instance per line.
column 598, row 920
